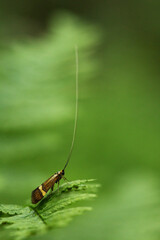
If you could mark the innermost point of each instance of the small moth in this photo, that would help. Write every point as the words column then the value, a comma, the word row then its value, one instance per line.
column 41, row 191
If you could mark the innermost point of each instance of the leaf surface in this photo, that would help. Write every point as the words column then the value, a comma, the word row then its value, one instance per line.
column 53, row 211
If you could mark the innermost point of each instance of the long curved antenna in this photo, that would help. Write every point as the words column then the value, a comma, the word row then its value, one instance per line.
column 76, row 111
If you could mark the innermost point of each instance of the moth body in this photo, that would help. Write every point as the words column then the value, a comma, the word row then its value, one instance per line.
column 41, row 191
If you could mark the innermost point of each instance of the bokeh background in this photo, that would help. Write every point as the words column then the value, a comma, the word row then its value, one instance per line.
column 118, row 135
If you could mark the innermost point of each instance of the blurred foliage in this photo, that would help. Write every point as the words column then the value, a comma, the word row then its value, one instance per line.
column 118, row 125
column 51, row 212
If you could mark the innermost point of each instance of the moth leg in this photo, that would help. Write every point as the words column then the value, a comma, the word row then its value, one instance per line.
column 58, row 186
column 65, row 179
column 52, row 188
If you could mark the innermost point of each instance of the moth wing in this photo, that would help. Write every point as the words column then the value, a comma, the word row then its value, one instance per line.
column 36, row 196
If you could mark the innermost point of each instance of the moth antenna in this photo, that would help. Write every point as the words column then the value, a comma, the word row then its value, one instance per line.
column 76, row 110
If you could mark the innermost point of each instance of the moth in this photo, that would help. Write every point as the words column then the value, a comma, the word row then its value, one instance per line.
column 41, row 191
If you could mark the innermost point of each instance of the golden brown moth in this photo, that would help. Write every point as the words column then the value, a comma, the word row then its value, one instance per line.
column 41, row 191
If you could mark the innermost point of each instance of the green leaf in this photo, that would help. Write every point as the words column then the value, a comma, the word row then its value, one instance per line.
column 53, row 211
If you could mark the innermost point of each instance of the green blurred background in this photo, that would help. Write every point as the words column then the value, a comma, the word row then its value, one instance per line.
column 118, row 135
